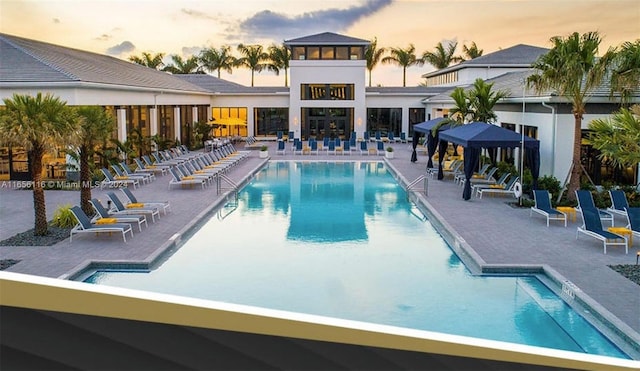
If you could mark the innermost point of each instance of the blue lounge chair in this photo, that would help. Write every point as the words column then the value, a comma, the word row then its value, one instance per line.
column 298, row 147
column 314, row 147
column 279, row 135
column 391, row 137
column 403, row 137
column 363, row 148
column 366, row 136
column 104, row 214
column 331, row 150
column 178, row 179
column 85, row 226
column 378, row 137
column 585, row 200
column 290, row 136
column 119, row 207
column 346, row 147
column 380, row 148
column 112, row 182
column 164, row 205
column 633, row 221
column 542, row 206
column 281, row 148
column 592, row 226
column 619, row 202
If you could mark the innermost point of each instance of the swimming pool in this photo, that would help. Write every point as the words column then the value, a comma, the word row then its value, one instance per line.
column 340, row 239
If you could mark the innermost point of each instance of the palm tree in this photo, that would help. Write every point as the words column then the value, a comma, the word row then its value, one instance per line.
column 220, row 59
column 472, row 51
column 483, row 99
column 279, row 56
column 96, row 126
column 182, row 67
column 373, row 56
column 618, row 137
column 572, row 70
column 148, row 60
column 253, row 58
column 442, row 56
column 37, row 124
column 625, row 71
column 404, row 58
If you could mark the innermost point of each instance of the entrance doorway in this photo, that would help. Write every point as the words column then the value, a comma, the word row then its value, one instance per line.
column 332, row 123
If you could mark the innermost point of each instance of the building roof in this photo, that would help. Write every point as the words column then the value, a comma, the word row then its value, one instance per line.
column 516, row 56
column 29, row 61
column 399, row 90
column 214, row 85
column 326, row 38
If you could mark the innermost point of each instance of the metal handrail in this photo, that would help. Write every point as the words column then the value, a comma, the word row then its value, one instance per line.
column 425, row 186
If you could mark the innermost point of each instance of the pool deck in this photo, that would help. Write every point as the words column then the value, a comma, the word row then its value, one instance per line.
column 498, row 234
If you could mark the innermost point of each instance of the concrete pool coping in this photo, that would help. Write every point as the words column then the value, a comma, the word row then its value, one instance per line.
column 472, row 256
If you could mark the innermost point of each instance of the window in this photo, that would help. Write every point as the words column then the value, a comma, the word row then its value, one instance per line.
column 356, row 53
column 271, row 120
column 230, row 121
column 298, row 53
column 328, row 52
column 313, row 52
column 342, row 52
column 384, row 120
column 327, row 91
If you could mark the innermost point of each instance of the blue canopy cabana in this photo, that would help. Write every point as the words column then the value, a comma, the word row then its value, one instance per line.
column 427, row 128
column 477, row 135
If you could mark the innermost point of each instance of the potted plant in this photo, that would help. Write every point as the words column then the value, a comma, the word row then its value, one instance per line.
column 264, row 153
column 389, row 153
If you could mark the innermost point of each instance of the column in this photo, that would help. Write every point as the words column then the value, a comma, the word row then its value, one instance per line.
column 176, row 122
column 153, row 121
column 121, row 118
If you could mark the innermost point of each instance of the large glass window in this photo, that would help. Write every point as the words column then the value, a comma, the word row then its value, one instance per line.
column 271, row 120
column 229, row 121
column 327, row 52
column 384, row 120
column 321, row 122
column 165, row 116
column 327, row 91
column 416, row 116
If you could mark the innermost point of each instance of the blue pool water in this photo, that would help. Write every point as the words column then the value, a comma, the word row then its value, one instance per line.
column 340, row 239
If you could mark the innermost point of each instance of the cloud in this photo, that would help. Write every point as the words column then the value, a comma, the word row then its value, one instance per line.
column 268, row 24
column 195, row 13
column 190, row 50
column 123, row 47
column 103, row 37
column 56, row 20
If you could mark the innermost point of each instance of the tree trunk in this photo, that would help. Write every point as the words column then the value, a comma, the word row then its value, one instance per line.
column 85, row 181
column 576, row 170
column 39, row 206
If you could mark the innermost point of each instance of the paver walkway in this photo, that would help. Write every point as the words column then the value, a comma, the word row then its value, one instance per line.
column 498, row 233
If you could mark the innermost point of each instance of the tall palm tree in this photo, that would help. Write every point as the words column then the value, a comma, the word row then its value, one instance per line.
column 96, row 126
column 182, row 67
column 572, row 70
column 37, row 124
column 471, row 51
column 618, row 137
column 220, row 59
column 483, row 99
column 279, row 56
column 373, row 54
column 404, row 58
column 442, row 56
column 148, row 60
column 625, row 69
column 254, row 58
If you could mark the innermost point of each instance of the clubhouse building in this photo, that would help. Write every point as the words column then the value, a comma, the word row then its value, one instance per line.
column 327, row 97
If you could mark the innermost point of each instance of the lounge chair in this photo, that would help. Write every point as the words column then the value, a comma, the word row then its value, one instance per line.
column 290, row 136
column 177, row 179
column 297, row 150
column 331, row 150
column 542, row 206
column 633, row 220
column 460, row 178
column 380, row 148
column 313, row 147
column 279, row 135
column 491, row 183
column 121, row 175
column 346, row 147
column 390, row 137
column 164, row 205
column 127, row 171
column 619, row 202
column 142, row 168
column 363, row 148
column 120, row 208
column 85, row 226
column 403, row 137
column 508, row 189
column 592, row 226
column 281, row 147
column 186, row 171
column 103, row 216
column 585, row 200
column 113, row 182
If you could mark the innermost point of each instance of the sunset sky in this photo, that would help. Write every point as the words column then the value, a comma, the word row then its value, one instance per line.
column 122, row 28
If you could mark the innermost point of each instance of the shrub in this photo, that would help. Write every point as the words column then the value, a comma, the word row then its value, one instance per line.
column 389, row 149
column 63, row 217
column 264, row 148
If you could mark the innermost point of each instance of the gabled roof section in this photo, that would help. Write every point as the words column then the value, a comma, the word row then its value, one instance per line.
column 411, row 90
column 327, row 38
column 214, row 85
column 30, row 61
column 516, row 56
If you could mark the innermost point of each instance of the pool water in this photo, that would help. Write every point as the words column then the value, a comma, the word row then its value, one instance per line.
column 340, row 239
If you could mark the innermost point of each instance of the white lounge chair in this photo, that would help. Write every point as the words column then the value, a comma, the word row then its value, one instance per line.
column 85, row 226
